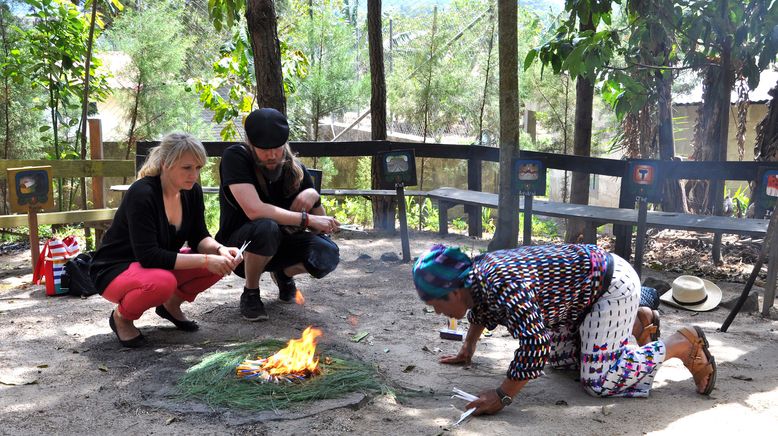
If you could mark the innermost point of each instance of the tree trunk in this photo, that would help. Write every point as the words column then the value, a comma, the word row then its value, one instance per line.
column 262, row 26
column 383, row 209
column 85, row 111
column 6, row 113
column 486, row 79
column 582, row 145
column 506, row 234
column 726, row 79
column 766, row 148
column 674, row 197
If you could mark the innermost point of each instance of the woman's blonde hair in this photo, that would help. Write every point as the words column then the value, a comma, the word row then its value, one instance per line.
column 170, row 150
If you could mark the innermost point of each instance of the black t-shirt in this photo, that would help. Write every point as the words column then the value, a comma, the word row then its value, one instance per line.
column 236, row 167
column 140, row 231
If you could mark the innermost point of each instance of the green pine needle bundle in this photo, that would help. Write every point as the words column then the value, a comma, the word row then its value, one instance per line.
column 214, row 382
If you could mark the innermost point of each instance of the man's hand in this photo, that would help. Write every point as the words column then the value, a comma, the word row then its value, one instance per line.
column 323, row 224
column 488, row 403
column 304, row 200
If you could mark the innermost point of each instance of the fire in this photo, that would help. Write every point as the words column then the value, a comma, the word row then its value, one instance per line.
column 298, row 357
column 298, row 298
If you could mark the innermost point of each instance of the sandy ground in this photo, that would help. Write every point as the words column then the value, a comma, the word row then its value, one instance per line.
column 62, row 370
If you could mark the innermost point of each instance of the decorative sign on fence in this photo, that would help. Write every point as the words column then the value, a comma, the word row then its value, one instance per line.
column 31, row 189
column 530, row 176
column 644, row 180
column 768, row 187
column 397, row 167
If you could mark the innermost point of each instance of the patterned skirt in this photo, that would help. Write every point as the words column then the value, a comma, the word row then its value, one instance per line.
column 610, row 365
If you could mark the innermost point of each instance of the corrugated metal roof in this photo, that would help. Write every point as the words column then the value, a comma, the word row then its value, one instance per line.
column 767, row 80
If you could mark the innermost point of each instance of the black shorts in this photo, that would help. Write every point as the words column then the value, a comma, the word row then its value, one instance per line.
column 318, row 253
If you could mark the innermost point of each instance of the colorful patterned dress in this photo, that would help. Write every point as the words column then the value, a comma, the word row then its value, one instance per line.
column 559, row 302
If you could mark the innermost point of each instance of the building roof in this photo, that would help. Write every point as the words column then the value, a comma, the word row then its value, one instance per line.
column 767, row 80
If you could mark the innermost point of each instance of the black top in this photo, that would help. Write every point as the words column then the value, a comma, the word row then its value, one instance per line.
column 237, row 166
column 141, row 232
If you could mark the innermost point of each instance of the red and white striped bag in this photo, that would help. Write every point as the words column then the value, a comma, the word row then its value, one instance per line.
column 51, row 263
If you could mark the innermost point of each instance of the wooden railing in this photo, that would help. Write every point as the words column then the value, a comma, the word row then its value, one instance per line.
column 475, row 155
column 96, row 168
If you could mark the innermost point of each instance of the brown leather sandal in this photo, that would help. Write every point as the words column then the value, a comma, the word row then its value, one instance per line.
column 650, row 332
column 695, row 364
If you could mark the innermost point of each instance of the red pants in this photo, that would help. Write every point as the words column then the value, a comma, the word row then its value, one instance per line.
column 138, row 289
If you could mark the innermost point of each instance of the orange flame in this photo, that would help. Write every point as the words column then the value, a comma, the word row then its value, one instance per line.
column 298, row 298
column 297, row 357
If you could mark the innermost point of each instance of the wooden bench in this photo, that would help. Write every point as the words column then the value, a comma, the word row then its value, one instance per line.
column 596, row 216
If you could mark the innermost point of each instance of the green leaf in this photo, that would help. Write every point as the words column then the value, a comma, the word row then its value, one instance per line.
column 531, row 55
column 44, row 128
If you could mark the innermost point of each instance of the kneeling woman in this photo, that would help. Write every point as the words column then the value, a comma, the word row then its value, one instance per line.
column 141, row 263
column 567, row 305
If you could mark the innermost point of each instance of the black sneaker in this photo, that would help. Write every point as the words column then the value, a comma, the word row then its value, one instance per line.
column 251, row 307
column 287, row 289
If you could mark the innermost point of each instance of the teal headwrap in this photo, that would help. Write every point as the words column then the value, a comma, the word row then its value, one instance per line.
column 439, row 271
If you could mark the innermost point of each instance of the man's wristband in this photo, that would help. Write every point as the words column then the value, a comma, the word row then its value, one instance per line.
column 304, row 219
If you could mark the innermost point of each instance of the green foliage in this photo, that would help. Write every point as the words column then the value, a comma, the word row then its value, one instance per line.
column 363, row 173
column 421, row 215
column 330, row 85
column 541, row 227
column 748, row 25
column 231, row 91
column 226, row 13
column 209, row 176
column 487, row 221
column 18, row 135
column 57, row 51
column 741, row 200
column 459, row 224
column 352, row 210
column 213, row 380
column 328, row 169
column 349, row 210
column 155, row 100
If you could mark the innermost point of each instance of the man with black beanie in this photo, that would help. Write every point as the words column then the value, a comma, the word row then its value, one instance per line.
column 268, row 199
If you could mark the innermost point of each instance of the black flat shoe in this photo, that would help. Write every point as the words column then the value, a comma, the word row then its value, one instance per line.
column 187, row 326
column 136, row 342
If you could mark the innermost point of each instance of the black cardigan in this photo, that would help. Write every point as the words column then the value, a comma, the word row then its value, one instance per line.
column 140, row 231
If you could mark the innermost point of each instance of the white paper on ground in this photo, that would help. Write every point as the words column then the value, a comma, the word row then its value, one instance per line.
column 462, row 395
column 464, row 416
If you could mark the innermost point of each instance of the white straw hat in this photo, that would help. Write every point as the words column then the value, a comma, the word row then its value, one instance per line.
column 693, row 293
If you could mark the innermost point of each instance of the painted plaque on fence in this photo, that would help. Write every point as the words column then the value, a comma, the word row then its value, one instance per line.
column 530, row 176
column 768, row 187
column 397, row 167
column 644, row 180
column 30, row 188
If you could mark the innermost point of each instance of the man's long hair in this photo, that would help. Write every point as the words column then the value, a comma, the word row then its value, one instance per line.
column 293, row 172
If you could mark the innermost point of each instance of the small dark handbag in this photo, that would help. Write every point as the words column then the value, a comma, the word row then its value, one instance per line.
column 77, row 276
